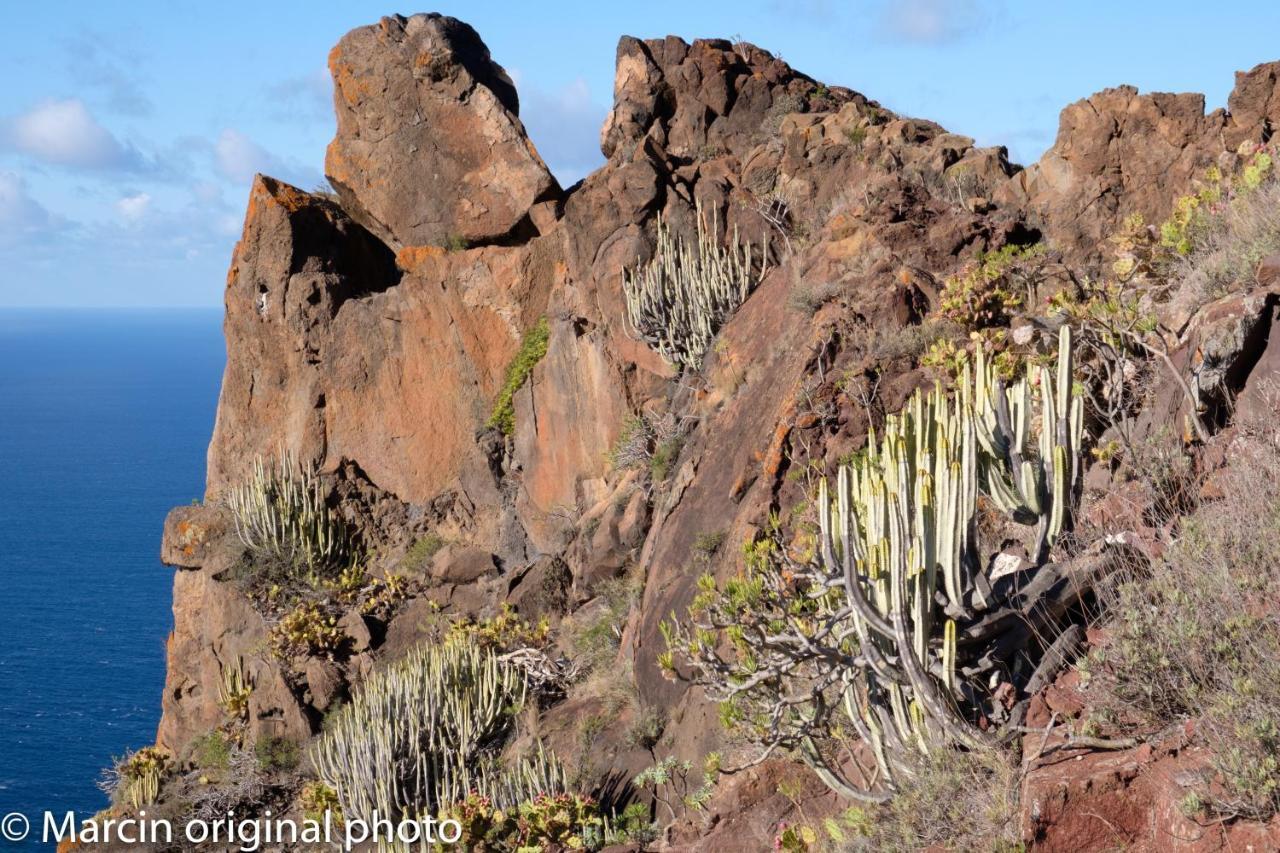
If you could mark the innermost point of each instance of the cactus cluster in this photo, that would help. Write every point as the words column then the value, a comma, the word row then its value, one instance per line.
column 135, row 779
column 281, row 513
column 679, row 299
column 424, row 733
column 897, row 618
column 234, row 689
column 900, row 537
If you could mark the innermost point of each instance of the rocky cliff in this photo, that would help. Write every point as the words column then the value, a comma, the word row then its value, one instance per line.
column 370, row 333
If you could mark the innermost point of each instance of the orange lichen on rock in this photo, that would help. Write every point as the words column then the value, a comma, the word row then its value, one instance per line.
column 412, row 258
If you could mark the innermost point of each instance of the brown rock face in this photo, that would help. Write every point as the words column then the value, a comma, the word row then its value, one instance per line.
column 366, row 339
column 430, row 148
column 1119, row 153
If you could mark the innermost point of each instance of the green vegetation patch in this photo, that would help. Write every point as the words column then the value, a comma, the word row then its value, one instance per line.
column 532, row 349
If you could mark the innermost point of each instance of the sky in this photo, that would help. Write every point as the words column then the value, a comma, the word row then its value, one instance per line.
column 130, row 132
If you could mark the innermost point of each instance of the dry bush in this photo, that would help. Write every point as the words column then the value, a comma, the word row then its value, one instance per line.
column 1232, row 242
column 1197, row 635
column 956, row 801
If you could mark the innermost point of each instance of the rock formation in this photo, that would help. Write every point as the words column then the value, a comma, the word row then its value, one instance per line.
column 370, row 335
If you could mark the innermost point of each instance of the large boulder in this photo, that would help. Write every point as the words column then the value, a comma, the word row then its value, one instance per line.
column 430, row 149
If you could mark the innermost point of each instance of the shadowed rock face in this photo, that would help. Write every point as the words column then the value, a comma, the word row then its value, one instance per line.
column 372, row 337
column 430, row 147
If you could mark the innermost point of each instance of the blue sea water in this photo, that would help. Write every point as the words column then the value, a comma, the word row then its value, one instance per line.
column 104, row 420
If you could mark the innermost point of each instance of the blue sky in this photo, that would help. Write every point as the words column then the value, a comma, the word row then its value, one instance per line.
column 129, row 133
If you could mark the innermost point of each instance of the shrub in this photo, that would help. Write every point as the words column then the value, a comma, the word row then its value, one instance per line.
column 546, row 822
column 679, row 300
column 872, row 621
column 502, row 633
column 709, row 543
column 672, row 788
column 212, row 752
column 308, row 630
column 277, row 754
column 650, row 441
column 532, row 349
column 280, row 515
column 135, row 778
column 317, row 799
column 418, row 557
column 1231, row 226
column 664, row 457
column 425, row 731
column 992, row 287
column 1192, row 636
column 596, row 643
column 954, row 801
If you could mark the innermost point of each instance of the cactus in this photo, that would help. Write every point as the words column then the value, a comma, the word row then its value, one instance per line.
column 135, row 779
column 424, row 732
column 900, row 535
column 896, row 619
column 679, row 300
column 234, row 689
column 281, row 513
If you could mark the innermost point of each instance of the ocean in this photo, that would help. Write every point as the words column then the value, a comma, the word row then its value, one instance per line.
column 105, row 416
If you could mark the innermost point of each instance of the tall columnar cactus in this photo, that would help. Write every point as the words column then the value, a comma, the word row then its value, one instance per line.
column 281, row 513
column 423, row 733
column 901, row 535
column 679, row 299
column 897, row 618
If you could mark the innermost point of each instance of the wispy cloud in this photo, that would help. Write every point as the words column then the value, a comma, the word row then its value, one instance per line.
column 238, row 158
column 62, row 132
column 307, row 97
column 23, row 219
column 933, row 22
column 100, row 65
column 565, row 125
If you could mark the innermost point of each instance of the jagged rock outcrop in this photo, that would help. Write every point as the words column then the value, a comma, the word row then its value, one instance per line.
column 430, row 148
column 371, row 337
column 1119, row 152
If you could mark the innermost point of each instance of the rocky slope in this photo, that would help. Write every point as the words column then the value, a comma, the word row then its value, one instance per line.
column 370, row 333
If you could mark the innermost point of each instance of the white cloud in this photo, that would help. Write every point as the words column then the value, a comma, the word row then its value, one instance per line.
column 932, row 21
column 62, row 132
column 565, row 125
column 238, row 158
column 22, row 218
column 133, row 207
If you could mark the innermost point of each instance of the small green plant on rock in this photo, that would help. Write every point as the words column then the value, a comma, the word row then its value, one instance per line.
column 543, row 823
column 532, row 349
column 670, row 783
column 212, row 751
column 505, row 632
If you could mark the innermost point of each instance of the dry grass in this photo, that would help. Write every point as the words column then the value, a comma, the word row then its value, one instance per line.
column 1197, row 635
